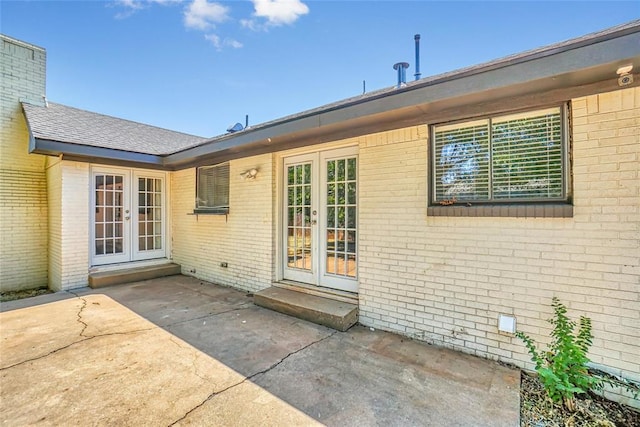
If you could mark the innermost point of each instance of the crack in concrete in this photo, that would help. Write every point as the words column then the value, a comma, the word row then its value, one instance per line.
column 250, row 377
column 86, row 338
column 44, row 355
column 194, row 353
column 79, row 313
column 85, row 325
column 275, row 365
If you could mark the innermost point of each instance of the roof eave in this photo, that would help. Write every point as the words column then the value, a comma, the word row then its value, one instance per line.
column 588, row 66
column 88, row 153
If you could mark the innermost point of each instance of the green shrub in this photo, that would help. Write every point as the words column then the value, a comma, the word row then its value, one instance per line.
column 562, row 369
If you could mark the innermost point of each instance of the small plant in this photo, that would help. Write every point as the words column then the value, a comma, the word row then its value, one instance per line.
column 563, row 367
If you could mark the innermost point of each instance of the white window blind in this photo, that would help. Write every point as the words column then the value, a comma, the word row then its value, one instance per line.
column 213, row 187
column 516, row 157
column 527, row 156
column 462, row 161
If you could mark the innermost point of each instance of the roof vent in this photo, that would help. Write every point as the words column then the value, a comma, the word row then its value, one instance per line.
column 417, row 74
column 235, row 128
column 401, row 67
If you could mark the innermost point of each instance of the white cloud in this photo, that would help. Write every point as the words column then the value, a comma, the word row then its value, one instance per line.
column 219, row 43
column 233, row 43
column 252, row 24
column 276, row 12
column 202, row 15
column 129, row 7
column 214, row 39
column 132, row 6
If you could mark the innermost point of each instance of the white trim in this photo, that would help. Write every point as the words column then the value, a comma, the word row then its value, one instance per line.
column 318, row 159
column 136, row 254
column 130, row 255
column 168, row 217
column 329, row 280
column 299, row 275
column 319, row 148
column 278, row 226
column 125, row 255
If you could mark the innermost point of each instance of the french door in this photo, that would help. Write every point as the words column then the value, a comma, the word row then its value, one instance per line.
column 320, row 219
column 127, row 215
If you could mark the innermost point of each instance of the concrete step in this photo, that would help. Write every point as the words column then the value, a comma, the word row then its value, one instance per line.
column 323, row 311
column 129, row 275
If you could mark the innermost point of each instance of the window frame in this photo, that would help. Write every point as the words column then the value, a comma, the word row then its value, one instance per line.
column 212, row 210
column 492, row 207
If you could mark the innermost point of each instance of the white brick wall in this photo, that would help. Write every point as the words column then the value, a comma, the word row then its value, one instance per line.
column 243, row 239
column 446, row 279
column 23, row 198
column 54, row 196
column 68, row 224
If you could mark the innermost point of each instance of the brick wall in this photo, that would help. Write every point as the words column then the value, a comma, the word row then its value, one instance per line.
column 68, row 224
column 445, row 279
column 54, row 195
column 243, row 239
column 23, row 197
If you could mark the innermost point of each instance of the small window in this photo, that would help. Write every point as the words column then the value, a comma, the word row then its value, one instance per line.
column 504, row 159
column 212, row 189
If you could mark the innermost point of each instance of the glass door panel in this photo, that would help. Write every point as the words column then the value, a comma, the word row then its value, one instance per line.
column 300, row 219
column 341, row 186
column 340, row 224
column 149, row 225
column 128, row 216
column 320, row 219
column 110, row 217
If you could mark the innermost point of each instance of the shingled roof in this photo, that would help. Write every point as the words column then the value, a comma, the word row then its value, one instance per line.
column 56, row 122
column 539, row 77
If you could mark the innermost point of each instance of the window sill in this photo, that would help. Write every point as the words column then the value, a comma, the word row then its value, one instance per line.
column 556, row 210
column 218, row 211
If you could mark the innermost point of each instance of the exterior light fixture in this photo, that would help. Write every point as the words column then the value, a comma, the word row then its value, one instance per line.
column 626, row 69
column 625, row 77
column 249, row 174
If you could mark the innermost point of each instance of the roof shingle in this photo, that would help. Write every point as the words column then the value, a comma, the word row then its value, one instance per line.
column 57, row 122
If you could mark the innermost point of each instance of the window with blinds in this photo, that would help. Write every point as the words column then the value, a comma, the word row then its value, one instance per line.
column 517, row 157
column 212, row 193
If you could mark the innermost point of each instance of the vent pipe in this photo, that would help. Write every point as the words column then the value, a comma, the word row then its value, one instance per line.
column 401, row 67
column 417, row 39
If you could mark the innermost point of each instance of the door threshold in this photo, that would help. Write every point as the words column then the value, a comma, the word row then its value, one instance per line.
column 334, row 294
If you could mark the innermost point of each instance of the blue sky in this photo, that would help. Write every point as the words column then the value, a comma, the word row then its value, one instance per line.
column 198, row 66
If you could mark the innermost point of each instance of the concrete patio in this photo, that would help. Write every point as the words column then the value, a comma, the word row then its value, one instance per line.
column 179, row 351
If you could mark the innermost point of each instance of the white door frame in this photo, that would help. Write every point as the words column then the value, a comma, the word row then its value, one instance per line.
column 137, row 254
column 125, row 254
column 330, row 280
column 300, row 275
column 130, row 210
column 317, row 276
